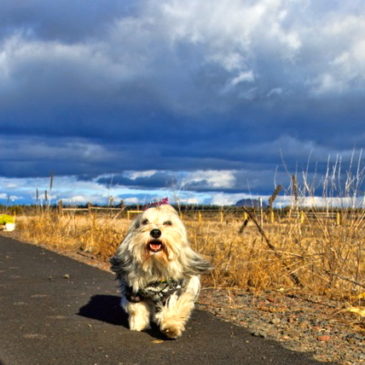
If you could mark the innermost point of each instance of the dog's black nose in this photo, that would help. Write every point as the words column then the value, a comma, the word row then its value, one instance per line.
column 155, row 233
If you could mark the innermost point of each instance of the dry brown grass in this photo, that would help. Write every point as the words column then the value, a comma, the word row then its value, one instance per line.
column 325, row 257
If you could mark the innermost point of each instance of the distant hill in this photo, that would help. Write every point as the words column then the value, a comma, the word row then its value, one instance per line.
column 251, row 203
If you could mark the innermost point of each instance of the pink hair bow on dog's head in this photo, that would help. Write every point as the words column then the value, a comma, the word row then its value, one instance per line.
column 157, row 204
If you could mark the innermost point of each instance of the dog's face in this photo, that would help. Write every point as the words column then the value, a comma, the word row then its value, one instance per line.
column 156, row 245
column 157, row 234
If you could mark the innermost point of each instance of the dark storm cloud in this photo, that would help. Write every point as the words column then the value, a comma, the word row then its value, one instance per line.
column 109, row 86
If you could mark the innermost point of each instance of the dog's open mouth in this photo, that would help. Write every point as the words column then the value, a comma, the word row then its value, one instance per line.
column 155, row 246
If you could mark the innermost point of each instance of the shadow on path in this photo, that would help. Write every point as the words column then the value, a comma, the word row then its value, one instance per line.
column 106, row 308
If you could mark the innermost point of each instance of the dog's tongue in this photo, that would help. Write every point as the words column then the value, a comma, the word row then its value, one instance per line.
column 155, row 246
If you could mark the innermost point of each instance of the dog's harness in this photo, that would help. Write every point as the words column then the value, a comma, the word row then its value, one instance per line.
column 157, row 291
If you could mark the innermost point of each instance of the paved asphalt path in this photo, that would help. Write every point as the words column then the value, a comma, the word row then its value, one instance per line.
column 54, row 310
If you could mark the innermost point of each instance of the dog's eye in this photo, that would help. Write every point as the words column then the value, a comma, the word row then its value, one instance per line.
column 167, row 223
column 145, row 221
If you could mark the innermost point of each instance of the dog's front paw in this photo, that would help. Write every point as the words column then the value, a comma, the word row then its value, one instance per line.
column 172, row 330
column 138, row 323
column 139, row 316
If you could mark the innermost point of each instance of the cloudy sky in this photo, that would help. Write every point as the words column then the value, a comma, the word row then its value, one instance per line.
column 203, row 101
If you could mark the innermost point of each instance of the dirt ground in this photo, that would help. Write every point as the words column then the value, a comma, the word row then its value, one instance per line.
column 300, row 322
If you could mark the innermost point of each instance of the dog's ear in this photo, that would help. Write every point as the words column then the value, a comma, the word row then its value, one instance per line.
column 120, row 265
column 197, row 264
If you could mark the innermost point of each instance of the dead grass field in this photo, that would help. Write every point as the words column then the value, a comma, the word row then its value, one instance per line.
column 318, row 256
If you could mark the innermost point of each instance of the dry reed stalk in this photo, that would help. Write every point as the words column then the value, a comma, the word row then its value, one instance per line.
column 292, row 275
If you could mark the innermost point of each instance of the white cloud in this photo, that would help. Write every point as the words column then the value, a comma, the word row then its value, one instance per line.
column 275, row 91
column 192, row 201
column 321, row 202
column 231, row 199
column 8, row 197
column 28, row 63
column 296, row 43
column 225, row 199
column 242, row 77
column 210, row 178
column 132, row 200
column 77, row 199
column 137, row 174
column 278, row 46
column 203, row 48
column 73, row 191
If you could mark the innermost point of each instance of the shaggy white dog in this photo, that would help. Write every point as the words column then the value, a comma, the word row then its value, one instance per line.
column 158, row 271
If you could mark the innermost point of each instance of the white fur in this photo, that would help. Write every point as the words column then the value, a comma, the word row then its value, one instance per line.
column 136, row 266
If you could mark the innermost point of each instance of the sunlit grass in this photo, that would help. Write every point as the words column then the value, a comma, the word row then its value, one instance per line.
column 327, row 258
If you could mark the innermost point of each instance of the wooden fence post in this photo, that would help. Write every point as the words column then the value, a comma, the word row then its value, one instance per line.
column 272, row 216
column 338, row 218
column 60, row 207
column 302, row 217
column 122, row 207
column 200, row 218
column 221, row 216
